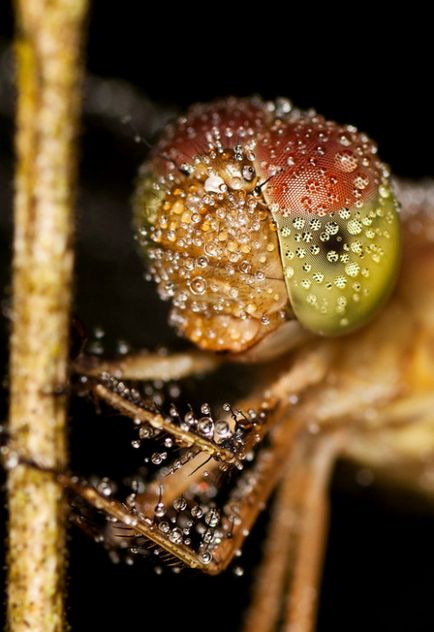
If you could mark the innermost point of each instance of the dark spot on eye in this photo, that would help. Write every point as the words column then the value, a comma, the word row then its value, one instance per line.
column 248, row 173
column 336, row 243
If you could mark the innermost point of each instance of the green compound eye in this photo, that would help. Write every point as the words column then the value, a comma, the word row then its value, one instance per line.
column 341, row 267
column 336, row 218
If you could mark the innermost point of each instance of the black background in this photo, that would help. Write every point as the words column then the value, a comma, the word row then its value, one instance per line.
column 352, row 68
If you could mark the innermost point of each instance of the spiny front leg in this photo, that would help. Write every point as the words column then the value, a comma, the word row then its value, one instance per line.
column 220, row 534
column 219, row 545
column 185, row 511
column 175, row 512
column 307, row 369
column 253, row 488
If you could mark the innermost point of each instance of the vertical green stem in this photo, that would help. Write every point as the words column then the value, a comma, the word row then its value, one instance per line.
column 48, row 47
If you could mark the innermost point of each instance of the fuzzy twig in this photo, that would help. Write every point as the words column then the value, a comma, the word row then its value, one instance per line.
column 48, row 46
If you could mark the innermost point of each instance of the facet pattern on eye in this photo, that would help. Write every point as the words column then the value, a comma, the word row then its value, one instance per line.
column 316, row 165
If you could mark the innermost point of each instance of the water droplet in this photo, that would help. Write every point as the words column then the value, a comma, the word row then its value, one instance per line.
column 197, row 512
column 209, row 536
column 222, row 430
column 354, row 227
column 332, row 256
column 352, row 269
column 189, row 418
column 10, row 458
column 205, row 426
column 175, row 535
column 248, row 173
column 345, row 140
column 98, row 333
column 332, row 228
column 158, row 457
column 131, row 520
column 122, row 347
column 180, row 504
column 205, row 557
column 346, row 161
column 160, row 510
column 298, row 223
column 164, row 526
column 212, row 517
column 146, row 432
column 213, row 183
column 105, row 487
column 283, row 107
column 384, row 191
column 361, row 182
column 198, row 285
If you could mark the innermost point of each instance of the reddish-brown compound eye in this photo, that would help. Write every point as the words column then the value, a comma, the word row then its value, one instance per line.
column 317, row 166
column 337, row 220
column 208, row 127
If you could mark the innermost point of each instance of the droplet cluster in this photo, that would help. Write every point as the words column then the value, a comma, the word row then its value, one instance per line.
column 212, row 248
column 226, row 436
column 207, row 510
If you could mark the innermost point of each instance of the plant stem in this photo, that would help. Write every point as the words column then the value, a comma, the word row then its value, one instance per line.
column 48, row 47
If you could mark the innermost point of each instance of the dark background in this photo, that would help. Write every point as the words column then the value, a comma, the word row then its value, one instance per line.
column 380, row 559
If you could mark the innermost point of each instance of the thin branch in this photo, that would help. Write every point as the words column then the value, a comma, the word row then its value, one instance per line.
column 48, row 49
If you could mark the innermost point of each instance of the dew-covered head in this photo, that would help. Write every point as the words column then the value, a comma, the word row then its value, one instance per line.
column 252, row 214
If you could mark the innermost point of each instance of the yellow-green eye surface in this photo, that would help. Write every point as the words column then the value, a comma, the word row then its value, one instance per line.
column 340, row 268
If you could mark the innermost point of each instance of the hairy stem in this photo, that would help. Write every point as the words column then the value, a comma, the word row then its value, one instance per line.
column 48, row 46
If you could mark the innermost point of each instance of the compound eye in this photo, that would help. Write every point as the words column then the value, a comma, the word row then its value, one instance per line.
column 337, row 224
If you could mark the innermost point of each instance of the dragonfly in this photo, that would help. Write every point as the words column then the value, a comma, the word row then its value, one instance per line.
column 315, row 396
column 349, row 374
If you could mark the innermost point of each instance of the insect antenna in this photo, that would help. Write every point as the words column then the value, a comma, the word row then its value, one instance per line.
column 258, row 188
column 140, row 139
